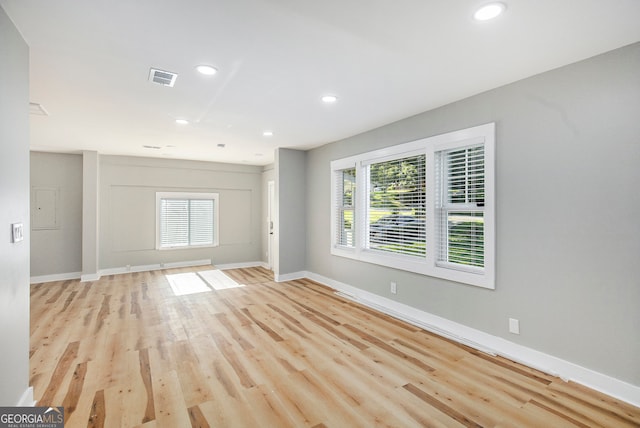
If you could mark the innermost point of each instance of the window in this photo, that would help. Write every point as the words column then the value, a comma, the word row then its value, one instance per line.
column 396, row 206
column 460, row 207
column 186, row 220
column 425, row 206
column 345, row 183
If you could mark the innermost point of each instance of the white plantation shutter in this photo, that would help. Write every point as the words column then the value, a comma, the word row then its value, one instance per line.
column 345, row 214
column 460, row 206
column 396, row 206
column 186, row 222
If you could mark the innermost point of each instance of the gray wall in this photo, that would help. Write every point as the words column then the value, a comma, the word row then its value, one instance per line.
column 290, row 169
column 568, row 214
column 58, row 251
column 127, row 213
column 14, row 203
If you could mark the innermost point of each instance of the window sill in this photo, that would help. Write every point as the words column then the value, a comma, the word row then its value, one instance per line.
column 475, row 277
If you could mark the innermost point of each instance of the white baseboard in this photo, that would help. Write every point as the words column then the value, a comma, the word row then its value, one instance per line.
column 226, row 266
column 488, row 343
column 90, row 277
column 192, row 263
column 117, row 271
column 55, row 277
column 156, row 266
column 140, row 268
column 292, row 276
column 27, row 398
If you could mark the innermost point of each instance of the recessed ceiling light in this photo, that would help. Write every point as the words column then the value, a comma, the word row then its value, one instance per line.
column 182, row 121
column 207, row 70
column 329, row 99
column 268, row 133
column 489, row 11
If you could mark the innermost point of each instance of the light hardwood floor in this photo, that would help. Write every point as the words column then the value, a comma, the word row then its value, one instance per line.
column 126, row 351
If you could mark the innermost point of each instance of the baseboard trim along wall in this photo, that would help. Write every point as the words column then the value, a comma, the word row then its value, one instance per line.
column 291, row 276
column 27, row 398
column 55, row 277
column 241, row 265
column 90, row 277
column 140, row 268
column 116, row 271
column 156, row 266
column 484, row 342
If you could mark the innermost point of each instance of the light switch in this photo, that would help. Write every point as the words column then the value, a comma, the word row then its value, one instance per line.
column 18, row 232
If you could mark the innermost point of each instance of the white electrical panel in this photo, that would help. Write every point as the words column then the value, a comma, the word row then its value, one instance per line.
column 45, row 208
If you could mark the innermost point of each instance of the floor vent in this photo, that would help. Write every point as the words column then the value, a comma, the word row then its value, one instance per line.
column 162, row 77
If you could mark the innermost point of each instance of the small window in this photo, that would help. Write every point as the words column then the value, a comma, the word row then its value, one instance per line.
column 187, row 220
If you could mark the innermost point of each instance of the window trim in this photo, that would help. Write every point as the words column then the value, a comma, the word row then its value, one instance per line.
column 365, row 219
column 483, row 277
column 215, row 197
column 340, row 208
column 341, row 165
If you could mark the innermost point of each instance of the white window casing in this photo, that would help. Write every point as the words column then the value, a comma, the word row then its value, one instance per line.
column 427, row 206
column 343, row 239
column 345, row 182
column 186, row 220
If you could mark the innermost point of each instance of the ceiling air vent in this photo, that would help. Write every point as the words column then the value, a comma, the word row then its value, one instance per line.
column 162, row 77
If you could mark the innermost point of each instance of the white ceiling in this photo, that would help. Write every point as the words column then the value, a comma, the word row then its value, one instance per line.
column 385, row 60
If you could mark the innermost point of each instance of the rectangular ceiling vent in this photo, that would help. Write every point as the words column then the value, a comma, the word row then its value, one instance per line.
column 162, row 77
column 37, row 110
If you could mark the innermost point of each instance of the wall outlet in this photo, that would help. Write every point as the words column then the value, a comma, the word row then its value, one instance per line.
column 514, row 326
column 394, row 288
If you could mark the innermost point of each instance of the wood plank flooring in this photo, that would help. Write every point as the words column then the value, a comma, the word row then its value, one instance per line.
column 125, row 351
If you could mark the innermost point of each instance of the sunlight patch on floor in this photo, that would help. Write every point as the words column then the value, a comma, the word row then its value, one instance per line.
column 199, row 282
column 187, row 283
column 218, row 279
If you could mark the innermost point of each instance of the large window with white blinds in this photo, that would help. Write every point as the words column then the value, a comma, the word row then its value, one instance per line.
column 426, row 206
column 186, row 220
